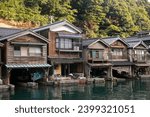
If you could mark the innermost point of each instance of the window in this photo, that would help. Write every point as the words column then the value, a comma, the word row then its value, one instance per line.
column 57, row 43
column 64, row 43
column 117, row 52
column 35, row 51
column 140, row 54
column 17, row 51
column 24, row 51
column 27, row 51
column 96, row 54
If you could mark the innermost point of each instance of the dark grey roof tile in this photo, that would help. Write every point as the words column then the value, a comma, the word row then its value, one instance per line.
column 8, row 31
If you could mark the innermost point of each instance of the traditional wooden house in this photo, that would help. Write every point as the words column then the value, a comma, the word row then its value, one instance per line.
column 143, row 35
column 96, row 57
column 138, row 53
column 64, row 48
column 118, row 56
column 24, row 55
column 1, row 63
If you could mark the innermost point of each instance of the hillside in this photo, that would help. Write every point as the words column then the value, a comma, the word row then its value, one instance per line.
column 96, row 17
column 16, row 24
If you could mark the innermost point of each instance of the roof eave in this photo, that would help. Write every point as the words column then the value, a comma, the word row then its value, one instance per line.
column 22, row 33
column 51, row 26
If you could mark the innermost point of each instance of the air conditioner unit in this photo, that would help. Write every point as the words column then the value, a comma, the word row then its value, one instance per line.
column 76, row 47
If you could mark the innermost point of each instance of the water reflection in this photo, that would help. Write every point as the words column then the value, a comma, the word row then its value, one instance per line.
column 5, row 95
column 121, row 90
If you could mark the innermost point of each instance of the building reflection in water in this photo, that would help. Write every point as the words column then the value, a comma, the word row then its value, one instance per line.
column 127, row 89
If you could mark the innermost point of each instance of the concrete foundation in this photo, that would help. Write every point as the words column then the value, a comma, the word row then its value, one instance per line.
column 4, row 88
column 1, row 82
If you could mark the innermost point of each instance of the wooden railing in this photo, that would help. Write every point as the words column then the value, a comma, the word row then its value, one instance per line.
column 139, row 58
column 28, row 60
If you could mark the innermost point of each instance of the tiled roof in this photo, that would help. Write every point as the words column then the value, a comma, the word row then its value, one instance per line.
column 137, row 38
column 132, row 39
column 22, row 33
column 87, row 42
column 110, row 40
column 8, row 31
column 133, row 44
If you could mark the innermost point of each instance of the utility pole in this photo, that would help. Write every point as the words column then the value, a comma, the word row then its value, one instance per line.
column 51, row 18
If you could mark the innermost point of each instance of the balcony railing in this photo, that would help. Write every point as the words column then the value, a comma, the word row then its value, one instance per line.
column 99, row 58
column 139, row 58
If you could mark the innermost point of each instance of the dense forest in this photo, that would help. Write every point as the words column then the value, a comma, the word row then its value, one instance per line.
column 97, row 18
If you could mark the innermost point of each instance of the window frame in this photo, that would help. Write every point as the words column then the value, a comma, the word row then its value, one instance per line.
column 64, row 43
column 19, row 49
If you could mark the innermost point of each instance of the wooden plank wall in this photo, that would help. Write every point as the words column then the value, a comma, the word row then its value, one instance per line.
column 11, row 59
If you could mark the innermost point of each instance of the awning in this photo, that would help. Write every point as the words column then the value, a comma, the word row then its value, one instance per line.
column 66, row 60
column 142, row 65
column 100, row 65
column 122, row 63
column 27, row 65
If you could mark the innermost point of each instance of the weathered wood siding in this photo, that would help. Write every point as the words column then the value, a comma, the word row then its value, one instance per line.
column 51, row 45
column 137, row 58
column 119, row 45
column 141, row 47
column 11, row 59
column 54, row 53
column 96, row 46
column 28, row 38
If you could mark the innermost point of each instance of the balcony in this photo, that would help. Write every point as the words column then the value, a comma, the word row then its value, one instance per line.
column 74, row 49
column 98, row 57
column 68, row 45
column 139, row 58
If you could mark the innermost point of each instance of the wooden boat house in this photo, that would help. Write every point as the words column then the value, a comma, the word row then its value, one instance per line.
column 96, row 57
column 118, row 56
column 1, row 63
column 58, row 49
column 138, row 54
column 64, row 48
column 24, row 56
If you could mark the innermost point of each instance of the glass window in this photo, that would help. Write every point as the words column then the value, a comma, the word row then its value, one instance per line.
column 57, row 43
column 64, row 43
column 35, row 51
column 117, row 52
column 140, row 54
column 17, row 51
column 96, row 54
column 93, row 54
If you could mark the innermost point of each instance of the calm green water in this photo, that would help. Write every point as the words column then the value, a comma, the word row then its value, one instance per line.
column 128, row 90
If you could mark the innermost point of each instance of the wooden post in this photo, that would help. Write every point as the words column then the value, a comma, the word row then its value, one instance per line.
column 68, row 69
column 7, row 79
column 0, row 75
column 46, row 72
column 109, row 73
column 89, row 73
column 130, row 71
